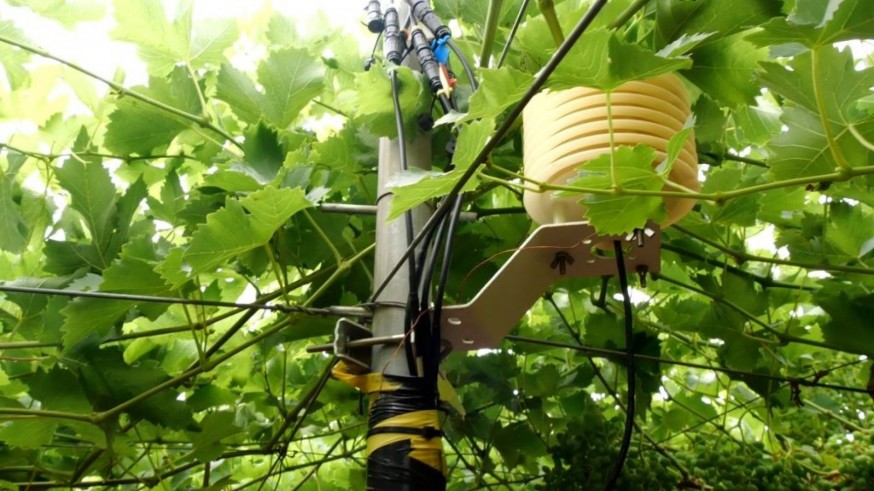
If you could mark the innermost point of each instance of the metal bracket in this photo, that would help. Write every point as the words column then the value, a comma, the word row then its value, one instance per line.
column 345, row 334
column 551, row 253
column 353, row 343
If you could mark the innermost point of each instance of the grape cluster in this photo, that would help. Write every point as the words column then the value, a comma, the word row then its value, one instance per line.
column 585, row 455
column 728, row 466
column 856, row 468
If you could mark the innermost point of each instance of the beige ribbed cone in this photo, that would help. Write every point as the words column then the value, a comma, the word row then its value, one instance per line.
column 563, row 130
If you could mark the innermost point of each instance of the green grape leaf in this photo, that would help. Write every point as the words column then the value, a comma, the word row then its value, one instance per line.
column 28, row 433
column 13, row 59
column 816, row 23
column 137, row 127
column 67, row 12
column 616, row 214
column 841, row 86
column 242, row 225
column 683, row 45
column 92, row 195
column 291, row 78
column 741, row 211
column 161, row 43
column 724, row 68
column 95, row 317
column 850, row 230
column 803, row 150
column 58, row 390
column 210, row 40
column 238, row 90
column 15, row 231
column 602, row 60
column 108, row 381
column 723, row 18
column 263, row 153
column 164, row 43
column 417, row 186
column 849, row 328
column 471, row 140
column 374, row 107
column 755, row 124
column 498, row 90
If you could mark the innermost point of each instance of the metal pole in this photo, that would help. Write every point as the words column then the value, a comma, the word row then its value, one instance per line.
column 404, row 439
column 389, row 313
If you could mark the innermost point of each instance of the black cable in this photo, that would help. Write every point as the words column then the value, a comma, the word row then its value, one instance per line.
column 630, row 374
column 464, row 63
column 512, row 35
column 493, row 142
column 412, row 299
column 444, row 275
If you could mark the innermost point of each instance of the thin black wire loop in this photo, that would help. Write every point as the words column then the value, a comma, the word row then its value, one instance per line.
column 631, row 376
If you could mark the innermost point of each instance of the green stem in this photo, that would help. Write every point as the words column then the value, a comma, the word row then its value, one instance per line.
column 844, row 421
column 628, row 13
column 199, row 120
column 338, row 258
column 203, row 106
column 721, row 197
column 40, row 413
column 277, row 272
column 823, row 115
column 860, row 137
column 330, row 108
column 26, row 345
column 508, row 184
column 547, row 8
column 48, row 157
column 492, row 18
column 744, row 160
column 341, row 268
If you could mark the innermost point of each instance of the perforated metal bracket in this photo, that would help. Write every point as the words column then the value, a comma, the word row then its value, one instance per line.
column 551, row 253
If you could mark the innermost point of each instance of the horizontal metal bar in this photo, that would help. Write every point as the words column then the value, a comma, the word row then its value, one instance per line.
column 467, row 216
column 360, row 343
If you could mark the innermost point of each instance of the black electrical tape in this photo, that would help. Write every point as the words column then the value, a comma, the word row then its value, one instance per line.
column 375, row 24
column 426, row 432
column 390, row 468
column 422, row 11
column 430, row 67
column 394, row 45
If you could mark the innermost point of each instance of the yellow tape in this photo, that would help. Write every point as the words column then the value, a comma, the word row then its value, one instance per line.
column 429, row 451
column 369, row 383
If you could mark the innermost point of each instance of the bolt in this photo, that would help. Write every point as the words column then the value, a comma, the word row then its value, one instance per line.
column 561, row 261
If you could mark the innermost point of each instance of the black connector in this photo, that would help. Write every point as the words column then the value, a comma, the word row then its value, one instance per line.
column 422, row 11
column 394, row 45
column 375, row 23
column 430, row 67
